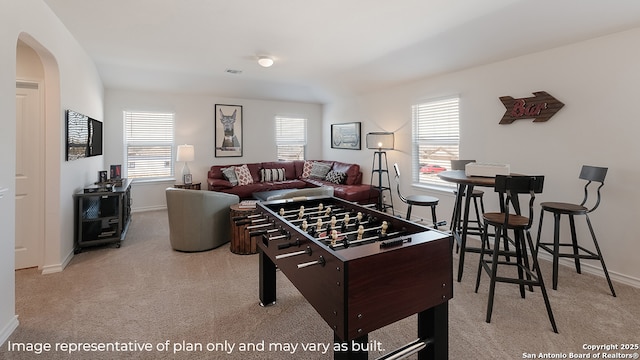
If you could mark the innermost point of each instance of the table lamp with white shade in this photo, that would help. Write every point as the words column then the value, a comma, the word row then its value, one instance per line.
column 185, row 153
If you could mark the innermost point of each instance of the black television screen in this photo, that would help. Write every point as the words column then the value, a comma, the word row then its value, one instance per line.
column 95, row 137
column 84, row 136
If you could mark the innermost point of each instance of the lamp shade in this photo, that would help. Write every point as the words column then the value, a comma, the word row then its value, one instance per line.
column 380, row 140
column 185, row 153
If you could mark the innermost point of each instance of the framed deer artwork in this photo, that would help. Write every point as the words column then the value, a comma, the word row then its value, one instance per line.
column 228, row 130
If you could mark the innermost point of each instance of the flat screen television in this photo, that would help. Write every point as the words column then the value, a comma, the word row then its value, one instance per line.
column 95, row 137
column 84, row 136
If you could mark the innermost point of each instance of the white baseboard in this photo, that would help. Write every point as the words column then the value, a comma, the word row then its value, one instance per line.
column 8, row 329
column 56, row 268
column 591, row 268
column 588, row 267
column 148, row 208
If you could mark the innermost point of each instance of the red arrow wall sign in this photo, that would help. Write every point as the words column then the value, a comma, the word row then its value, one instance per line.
column 541, row 107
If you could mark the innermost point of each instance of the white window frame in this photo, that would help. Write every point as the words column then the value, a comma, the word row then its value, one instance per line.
column 435, row 130
column 291, row 131
column 152, row 131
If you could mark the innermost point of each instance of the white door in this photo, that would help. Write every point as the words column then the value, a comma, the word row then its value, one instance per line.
column 29, row 175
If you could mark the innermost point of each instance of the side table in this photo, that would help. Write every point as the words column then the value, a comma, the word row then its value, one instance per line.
column 241, row 242
column 192, row 186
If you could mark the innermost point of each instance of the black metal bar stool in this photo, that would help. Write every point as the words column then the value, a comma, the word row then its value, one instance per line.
column 476, row 197
column 418, row 200
column 591, row 174
column 510, row 187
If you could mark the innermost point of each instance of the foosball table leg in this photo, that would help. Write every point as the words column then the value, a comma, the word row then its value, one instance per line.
column 353, row 348
column 433, row 324
column 267, row 279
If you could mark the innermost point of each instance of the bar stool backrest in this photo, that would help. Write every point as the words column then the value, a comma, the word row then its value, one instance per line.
column 459, row 164
column 592, row 174
column 511, row 186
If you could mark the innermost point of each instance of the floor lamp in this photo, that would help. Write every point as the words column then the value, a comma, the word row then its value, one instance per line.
column 381, row 141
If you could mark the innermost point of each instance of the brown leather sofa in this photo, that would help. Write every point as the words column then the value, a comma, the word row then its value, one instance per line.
column 350, row 189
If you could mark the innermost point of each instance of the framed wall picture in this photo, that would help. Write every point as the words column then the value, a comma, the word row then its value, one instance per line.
column 187, row 179
column 115, row 172
column 102, row 176
column 228, row 130
column 346, row 136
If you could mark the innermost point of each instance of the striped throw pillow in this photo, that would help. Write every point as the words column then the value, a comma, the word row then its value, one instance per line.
column 272, row 175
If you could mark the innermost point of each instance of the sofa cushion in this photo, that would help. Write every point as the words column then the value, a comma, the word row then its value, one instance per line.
column 319, row 170
column 336, row 177
column 229, row 173
column 288, row 166
column 306, row 169
column 244, row 175
column 272, row 175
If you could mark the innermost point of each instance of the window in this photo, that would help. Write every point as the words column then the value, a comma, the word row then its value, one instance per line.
column 291, row 138
column 149, row 144
column 436, row 138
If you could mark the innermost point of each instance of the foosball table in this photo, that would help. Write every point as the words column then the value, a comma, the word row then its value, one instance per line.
column 361, row 270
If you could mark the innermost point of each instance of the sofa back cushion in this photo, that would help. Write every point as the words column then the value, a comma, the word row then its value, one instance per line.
column 352, row 171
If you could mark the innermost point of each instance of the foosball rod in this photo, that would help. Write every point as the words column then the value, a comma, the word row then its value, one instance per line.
column 350, row 232
column 318, row 217
column 327, row 211
column 407, row 350
column 354, row 242
column 283, row 211
column 242, row 217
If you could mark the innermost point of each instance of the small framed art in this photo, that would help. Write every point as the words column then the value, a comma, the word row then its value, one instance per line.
column 346, row 136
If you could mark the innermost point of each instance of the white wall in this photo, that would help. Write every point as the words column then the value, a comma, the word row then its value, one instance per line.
column 195, row 125
column 71, row 81
column 597, row 80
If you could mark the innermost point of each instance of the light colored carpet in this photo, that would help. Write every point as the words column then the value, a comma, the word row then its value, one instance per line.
column 145, row 292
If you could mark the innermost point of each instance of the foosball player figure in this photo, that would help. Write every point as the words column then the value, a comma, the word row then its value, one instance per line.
column 328, row 211
column 304, row 225
column 383, row 229
column 333, row 222
column 360, row 232
column 334, row 237
column 319, row 225
column 301, row 212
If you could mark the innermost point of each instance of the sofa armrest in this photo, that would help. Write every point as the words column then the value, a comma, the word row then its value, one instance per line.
column 219, row 184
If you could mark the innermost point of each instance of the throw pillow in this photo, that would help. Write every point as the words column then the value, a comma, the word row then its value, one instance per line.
column 319, row 170
column 306, row 169
column 336, row 177
column 244, row 175
column 272, row 175
column 230, row 174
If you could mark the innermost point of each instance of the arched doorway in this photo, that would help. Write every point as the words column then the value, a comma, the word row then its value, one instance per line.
column 37, row 154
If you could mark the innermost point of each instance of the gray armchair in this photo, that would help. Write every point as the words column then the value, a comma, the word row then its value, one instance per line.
column 198, row 219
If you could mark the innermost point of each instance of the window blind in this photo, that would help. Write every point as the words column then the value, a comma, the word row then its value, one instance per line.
column 436, row 138
column 149, row 144
column 291, row 138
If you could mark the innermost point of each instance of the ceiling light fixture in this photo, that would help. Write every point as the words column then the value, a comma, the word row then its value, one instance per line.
column 265, row 61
